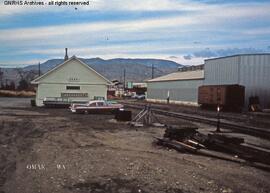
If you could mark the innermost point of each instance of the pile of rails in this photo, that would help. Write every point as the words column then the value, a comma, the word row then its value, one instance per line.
column 218, row 145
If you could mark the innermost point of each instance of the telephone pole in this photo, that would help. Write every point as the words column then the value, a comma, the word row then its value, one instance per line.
column 124, row 78
column 1, row 77
column 152, row 71
column 39, row 69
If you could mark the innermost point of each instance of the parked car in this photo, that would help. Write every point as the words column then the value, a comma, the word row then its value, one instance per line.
column 139, row 97
column 96, row 106
column 127, row 95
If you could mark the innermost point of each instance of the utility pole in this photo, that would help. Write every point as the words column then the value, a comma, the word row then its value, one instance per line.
column 124, row 78
column 39, row 69
column 152, row 71
column 1, row 77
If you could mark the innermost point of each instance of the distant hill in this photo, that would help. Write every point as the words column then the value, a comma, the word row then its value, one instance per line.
column 136, row 69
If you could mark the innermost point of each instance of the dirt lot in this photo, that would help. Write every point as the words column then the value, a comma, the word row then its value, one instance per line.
column 52, row 150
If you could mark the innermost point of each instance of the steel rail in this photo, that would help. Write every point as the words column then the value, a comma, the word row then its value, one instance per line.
column 260, row 132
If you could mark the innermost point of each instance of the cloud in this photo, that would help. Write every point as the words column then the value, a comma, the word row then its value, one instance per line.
column 208, row 53
column 172, row 57
column 229, row 9
column 210, row 17
column 130, row 51
column 258, row 31
column 192, row 61
column 187, row 57
column 158, row 28
column 21, row 63
column 26, row 34
column 104, row 5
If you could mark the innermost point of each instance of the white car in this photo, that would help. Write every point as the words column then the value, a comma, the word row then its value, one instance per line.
column 96, row 106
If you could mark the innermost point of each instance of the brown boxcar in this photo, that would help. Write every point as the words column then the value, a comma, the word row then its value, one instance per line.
column 227, row 96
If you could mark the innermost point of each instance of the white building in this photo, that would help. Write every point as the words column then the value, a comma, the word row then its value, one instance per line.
column 179, row 87
column 72, row 80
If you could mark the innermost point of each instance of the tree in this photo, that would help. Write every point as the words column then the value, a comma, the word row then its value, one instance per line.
column 25, row 78
column 12, row 85
column 23, row 85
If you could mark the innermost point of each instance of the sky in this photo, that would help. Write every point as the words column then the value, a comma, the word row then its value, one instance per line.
column 185, row 31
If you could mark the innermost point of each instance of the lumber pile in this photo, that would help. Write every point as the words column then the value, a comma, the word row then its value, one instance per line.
column 180, row 133
column 188, row 139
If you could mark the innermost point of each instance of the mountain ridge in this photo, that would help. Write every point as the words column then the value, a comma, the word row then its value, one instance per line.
column 136, row 69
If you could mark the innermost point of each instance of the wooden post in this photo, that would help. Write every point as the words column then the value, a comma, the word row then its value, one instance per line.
column 218, row 119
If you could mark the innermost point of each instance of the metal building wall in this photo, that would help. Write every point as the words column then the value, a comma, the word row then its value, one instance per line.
column 255, row 76
column 251, row 71
column 222, row 71
column 180, row 90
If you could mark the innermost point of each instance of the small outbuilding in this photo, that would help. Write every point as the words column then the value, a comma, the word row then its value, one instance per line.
column 73, row 80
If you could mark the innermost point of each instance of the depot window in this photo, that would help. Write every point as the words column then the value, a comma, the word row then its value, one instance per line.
column 73, row 87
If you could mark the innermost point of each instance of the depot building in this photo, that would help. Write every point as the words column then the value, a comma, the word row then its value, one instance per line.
column 73, row 80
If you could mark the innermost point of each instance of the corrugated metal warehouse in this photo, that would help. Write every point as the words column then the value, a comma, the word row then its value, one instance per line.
column 250, row 70
column 180, row 87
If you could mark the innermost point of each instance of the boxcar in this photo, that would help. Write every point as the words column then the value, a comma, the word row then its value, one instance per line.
column 227, row 96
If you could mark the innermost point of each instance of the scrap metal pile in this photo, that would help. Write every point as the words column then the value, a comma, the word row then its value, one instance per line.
column 213, row 144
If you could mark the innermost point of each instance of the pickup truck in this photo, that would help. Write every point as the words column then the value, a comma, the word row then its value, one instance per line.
column 96, row 106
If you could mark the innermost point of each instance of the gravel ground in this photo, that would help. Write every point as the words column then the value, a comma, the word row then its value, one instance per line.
column 53, row 150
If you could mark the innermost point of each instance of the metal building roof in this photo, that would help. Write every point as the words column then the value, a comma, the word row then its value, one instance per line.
column 186, row 75
column 236, row 55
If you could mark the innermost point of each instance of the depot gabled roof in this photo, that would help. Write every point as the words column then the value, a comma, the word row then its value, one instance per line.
column 37, row 80
column 186, row 75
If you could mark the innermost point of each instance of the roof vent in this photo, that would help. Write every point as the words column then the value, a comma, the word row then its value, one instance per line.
column 66, row 56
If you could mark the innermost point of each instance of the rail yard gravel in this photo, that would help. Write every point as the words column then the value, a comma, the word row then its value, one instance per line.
column 53, row 150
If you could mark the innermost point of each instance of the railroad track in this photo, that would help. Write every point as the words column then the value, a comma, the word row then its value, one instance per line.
column 256, row 131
